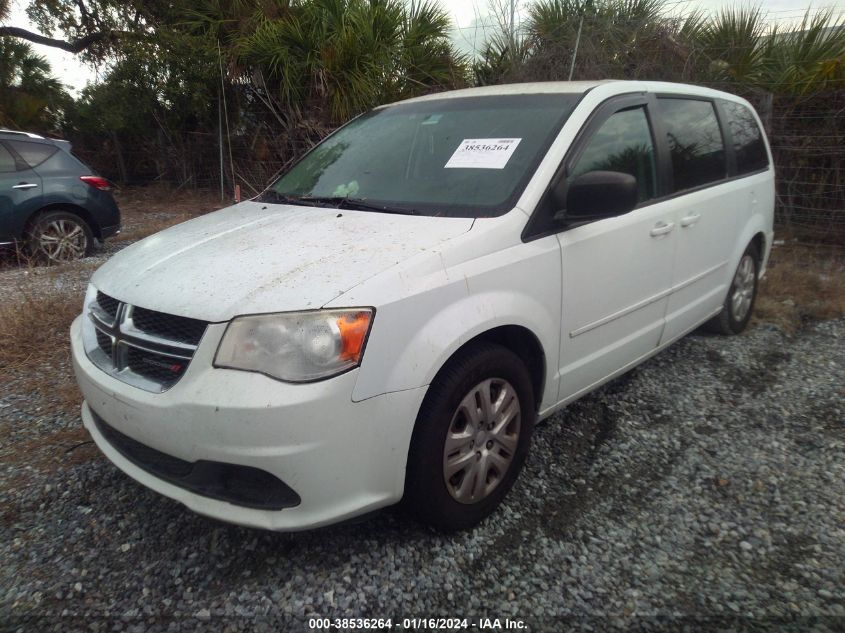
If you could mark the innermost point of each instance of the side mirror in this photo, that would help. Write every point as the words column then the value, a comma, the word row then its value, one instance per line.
column 600, row 194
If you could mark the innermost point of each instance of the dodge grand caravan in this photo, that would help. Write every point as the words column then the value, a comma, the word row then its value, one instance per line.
column 392, row 316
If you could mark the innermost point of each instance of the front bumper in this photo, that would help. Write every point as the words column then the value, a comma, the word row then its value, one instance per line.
column 342, row 458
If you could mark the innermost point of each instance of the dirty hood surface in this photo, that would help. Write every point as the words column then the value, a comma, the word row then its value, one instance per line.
column 255, row 257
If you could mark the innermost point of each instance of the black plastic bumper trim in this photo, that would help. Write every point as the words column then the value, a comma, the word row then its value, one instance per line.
column 244, row 486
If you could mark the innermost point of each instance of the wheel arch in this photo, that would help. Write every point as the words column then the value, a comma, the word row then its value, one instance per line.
column 759, row 241
column 499, row 298
column 426, row 483
column 522, row 342
column 82, row 212
column 757, row 230
column 413, row 356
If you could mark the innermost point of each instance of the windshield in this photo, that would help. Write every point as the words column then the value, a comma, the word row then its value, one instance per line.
column 462, row 157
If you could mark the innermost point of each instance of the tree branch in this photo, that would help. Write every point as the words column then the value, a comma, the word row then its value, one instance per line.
column 73, row 46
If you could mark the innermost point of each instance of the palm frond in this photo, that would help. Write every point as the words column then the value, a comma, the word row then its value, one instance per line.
column 808, row 58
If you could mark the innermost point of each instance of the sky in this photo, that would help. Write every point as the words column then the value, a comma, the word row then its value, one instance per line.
column 472, row 19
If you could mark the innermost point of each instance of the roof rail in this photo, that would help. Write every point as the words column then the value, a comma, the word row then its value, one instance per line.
column 27, row 134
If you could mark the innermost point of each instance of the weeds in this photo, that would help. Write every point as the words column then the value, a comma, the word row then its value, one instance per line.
column 802, row 284
column 148, row 210
column 35, row 328
column 149, row 227
column 34, row 349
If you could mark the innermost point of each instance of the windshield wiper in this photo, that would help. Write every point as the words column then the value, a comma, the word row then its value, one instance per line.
column 338, row 202
column 344, row 202
column 274, row 197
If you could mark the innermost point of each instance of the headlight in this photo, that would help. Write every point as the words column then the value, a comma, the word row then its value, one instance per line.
column 296, row 346
column 89, row 335
column 90, row 296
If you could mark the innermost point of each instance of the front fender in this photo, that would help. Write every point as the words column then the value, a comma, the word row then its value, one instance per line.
column 415, row 335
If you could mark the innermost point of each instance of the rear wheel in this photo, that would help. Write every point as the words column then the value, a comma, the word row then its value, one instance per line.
column 59, row 236
column 739, row 303
column 471, row 438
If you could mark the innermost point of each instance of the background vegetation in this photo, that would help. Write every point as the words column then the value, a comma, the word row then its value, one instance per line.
column 274, row 76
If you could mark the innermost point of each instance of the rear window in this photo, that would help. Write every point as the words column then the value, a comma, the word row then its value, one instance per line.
column 33, row 154
column 749, row 147
column 695, row 142
column 7, row 161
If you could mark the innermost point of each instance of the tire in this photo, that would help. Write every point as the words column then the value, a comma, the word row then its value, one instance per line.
column 739, row 302
column 482, row 462
column 59, row 236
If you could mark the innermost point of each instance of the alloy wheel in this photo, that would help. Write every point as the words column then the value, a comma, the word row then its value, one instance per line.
column 63, row 240
column 743, row 288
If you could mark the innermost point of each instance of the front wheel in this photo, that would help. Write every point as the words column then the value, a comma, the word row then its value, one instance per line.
column 59, row 236
column 739, row 303
column 471, row 438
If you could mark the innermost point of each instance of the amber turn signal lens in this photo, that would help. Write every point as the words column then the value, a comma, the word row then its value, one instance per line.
column 353, row 330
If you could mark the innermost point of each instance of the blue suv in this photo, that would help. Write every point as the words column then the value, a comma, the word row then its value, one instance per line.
column 50, row 202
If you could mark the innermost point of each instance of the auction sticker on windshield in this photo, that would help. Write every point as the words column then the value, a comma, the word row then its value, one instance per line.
column 483, row 153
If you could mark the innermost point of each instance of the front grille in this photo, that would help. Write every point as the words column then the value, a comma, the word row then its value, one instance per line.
column 108, row 304
column 165, row 370
column 244, row 486
column 145, row 348
column 173, row 328
column 104, row 342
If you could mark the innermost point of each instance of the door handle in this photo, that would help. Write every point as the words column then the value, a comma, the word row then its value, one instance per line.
column 661, row 228
column 24, row 185
column 689, row 220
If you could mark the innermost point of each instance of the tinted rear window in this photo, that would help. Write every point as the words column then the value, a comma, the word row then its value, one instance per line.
column 7, row 161
column 695, row 141
column 33, row 154
column 749, row 146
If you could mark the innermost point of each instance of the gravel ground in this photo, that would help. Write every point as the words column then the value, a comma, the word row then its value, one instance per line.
column 32, row 279
column 704, row 489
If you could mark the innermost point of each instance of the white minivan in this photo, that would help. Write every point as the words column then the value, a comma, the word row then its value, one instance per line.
column 391, row 317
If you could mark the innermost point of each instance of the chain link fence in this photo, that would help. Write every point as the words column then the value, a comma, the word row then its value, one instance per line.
column 807, row 135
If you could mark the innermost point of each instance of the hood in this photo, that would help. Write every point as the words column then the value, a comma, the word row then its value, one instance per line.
column 253, row 258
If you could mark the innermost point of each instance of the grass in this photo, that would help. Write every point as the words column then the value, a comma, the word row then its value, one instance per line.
column 35, row 361
column 15, row 256
column 148, row 210
column 39, row 304
column 34, row 320
column 34, row 329
column 802, row 284
column 34, row 349
column 149, row 227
